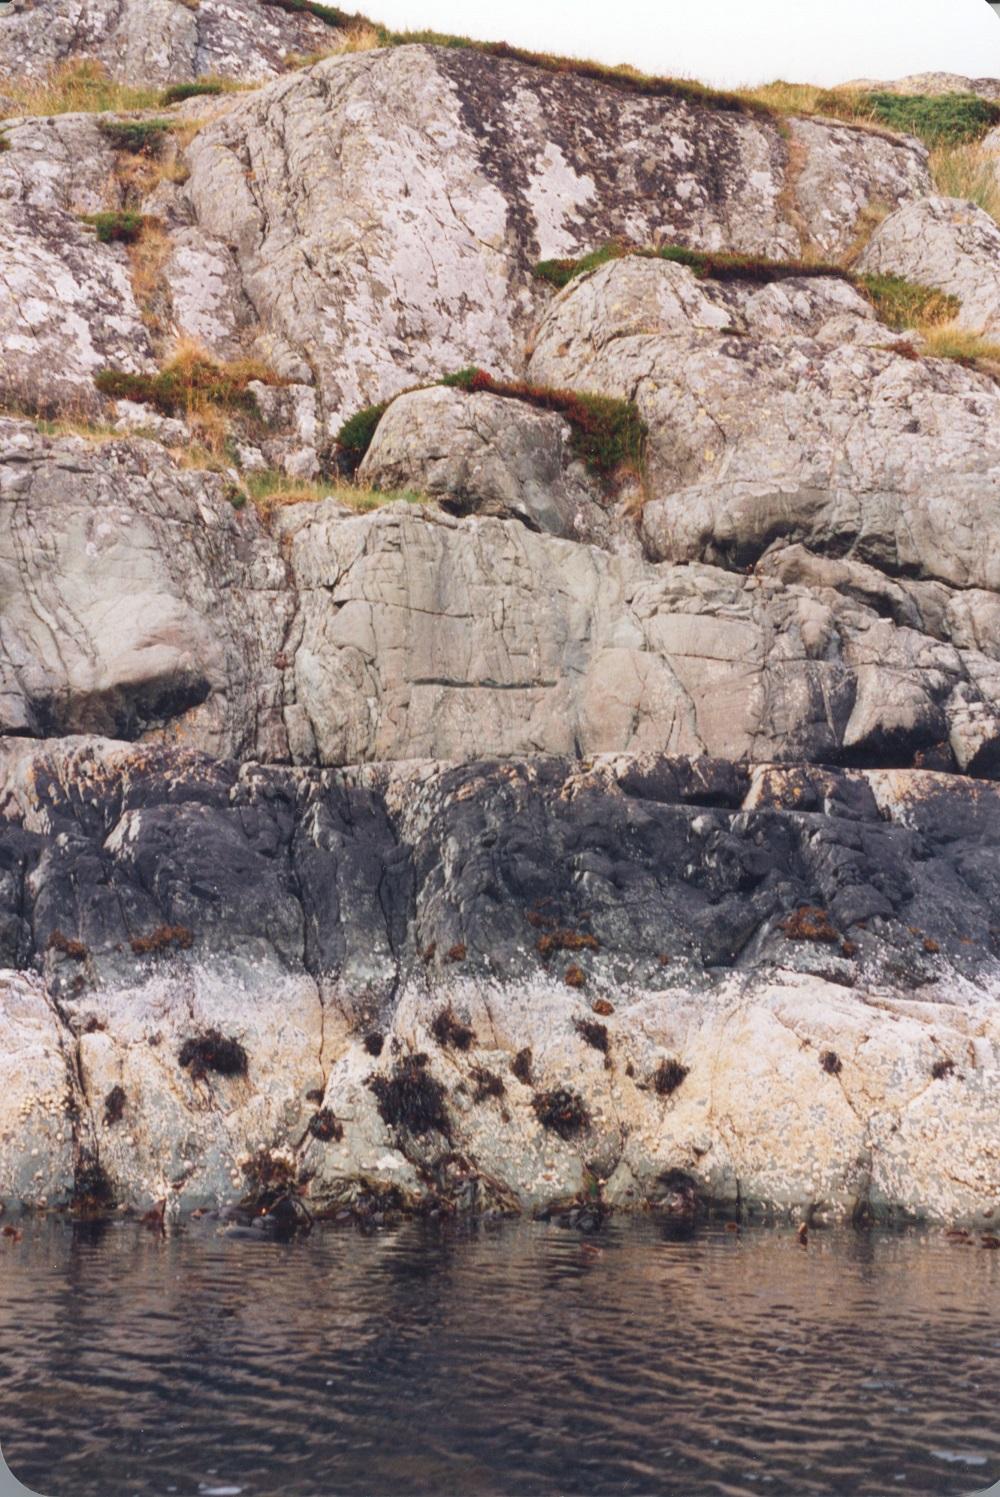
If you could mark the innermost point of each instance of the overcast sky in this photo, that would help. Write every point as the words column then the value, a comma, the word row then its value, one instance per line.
column 733, row 41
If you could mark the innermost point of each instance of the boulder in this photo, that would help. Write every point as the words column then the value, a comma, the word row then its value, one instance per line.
column 948, row 243
column 486, row 455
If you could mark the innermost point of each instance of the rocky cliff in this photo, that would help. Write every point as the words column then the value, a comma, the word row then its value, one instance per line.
column 570, row 784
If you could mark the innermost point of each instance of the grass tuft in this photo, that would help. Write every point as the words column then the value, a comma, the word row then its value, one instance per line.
column 271, row 490
column 968, row 172
column 965, row 346
column 81, row 86
column 903, row 304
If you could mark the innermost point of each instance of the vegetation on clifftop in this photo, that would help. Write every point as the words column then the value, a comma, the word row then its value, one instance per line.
column 608, row 435
column 898, row 303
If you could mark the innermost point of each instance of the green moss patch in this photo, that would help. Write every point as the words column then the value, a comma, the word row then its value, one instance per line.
column 938, row 119
column 117, row 228
column 178, row 92
column 897, row 302
column 135, row 137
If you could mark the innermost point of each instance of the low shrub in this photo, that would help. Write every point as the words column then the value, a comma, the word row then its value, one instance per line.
column 325, row 13
column 190, row 382
column 135, row 137
column 607, row 434
column 355, row 436
column 117, row 228
column 178, row 92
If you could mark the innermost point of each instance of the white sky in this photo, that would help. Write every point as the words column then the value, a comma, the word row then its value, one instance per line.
column 732, row 41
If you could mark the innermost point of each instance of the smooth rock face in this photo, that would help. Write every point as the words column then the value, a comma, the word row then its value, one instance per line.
column 157, row 41
column 855, row 1069
column 487, row 455
column 125, row 600
column 947, row 243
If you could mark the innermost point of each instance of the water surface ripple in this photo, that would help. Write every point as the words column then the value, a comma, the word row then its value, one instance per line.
column 518, row 1359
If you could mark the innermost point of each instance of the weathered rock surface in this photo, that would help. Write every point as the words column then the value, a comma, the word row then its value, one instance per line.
column 486, row 455
column 794, row 426
column 301, row 912
column 947, row 243
column 157, row 41
column 402, row 250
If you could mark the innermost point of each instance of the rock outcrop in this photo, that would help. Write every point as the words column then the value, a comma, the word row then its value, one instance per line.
column 616, row 828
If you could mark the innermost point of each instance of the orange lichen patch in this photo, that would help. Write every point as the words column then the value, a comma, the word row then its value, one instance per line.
column 809, row 923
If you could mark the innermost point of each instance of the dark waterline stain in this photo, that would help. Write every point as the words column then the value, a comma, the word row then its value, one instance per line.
column 500, row 1360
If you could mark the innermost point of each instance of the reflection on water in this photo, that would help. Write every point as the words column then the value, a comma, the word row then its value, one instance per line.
column 519, row 1359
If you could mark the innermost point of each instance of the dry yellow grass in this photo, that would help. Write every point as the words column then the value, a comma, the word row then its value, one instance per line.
column 272, row 490
column 964, row 345
column 79, row 86
column 359, row 38
column 807, row 99
column 968, row 171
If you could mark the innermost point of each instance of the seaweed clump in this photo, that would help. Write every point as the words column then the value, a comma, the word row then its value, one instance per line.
column 668, row 1076
column 487, row 1083
column 809, row 924
column 212, row 1051
column 325, row 1126
column 114, row 1105
column 75, row 950
column 411, row 1098
column 93, row 1192
column 561, row 1111
column 450, row 1032
column 373, row 1042
column 593, row 1034
column 831, row 1062
column 521, row 1066
column 161, row 939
